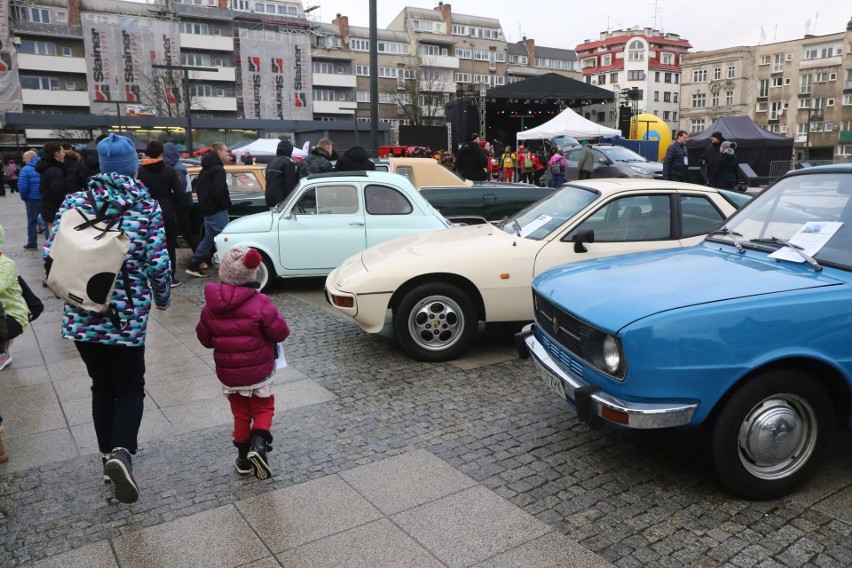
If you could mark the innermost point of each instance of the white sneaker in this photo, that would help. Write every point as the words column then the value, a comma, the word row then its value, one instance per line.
column 5, row 359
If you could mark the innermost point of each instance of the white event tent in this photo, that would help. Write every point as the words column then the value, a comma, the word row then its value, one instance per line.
column 267, row 147
column 567, row 123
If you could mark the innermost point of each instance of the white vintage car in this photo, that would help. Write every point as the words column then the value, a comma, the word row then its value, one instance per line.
column 434, row 288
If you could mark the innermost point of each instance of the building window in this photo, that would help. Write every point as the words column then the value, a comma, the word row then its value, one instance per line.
column 667, row 97
column 606, row 60
column 31, row 14
column 667, row 78
column 696, row 125
column 763, row 88
column 61, row 16
column 667, row 58
column 729, row 98
column 765, row 60
column 779, row 63
column 777, row 82
column 66, row 51
column 656, row 96
column 699, row 76
column 37, row 47
column 717, row 73
column 362, row 70
column 40, row 83
column 714, row 100
column 327, row 68
column 636, row 51
column 805, row 85
column 636, row 75
column 194, row 28
column 362, row 96
column 613, row 78
column 732, row 71
column 464, row 53
column 699, row 100
column 667, row 115
column 463, row 78
column 426, row 49
column 674, row 116
column 459, row 30
column 359, row 45
column 70, row 85
column 674, row 97
column 602, row 79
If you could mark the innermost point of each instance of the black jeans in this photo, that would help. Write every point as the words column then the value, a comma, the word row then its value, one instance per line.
column 118, row 382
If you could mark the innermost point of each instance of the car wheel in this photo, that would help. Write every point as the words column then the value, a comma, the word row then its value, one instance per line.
column 771, row 434
column 265, row 273
column 435, row 322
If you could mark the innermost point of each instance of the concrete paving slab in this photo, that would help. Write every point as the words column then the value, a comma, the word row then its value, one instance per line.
column 269, row 562
column 402, row 482
column 98, row 555
column 289, row 374
column 375, row 545
column 13, row 378
column 219, row 538
column 166, row 394
column 469, row 527
column 25, row 421
column 307, row 512
column 29, row 397
column 74, row 388
column 171, row 372
column 67, row 369
column 199, row 414
column 552, row 550
column 52, row 446
column 300, row 393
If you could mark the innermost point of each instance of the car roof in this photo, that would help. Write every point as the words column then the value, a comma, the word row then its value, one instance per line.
column 607, row 186
column 386, row 177
column 842, row 168
column 231, row 168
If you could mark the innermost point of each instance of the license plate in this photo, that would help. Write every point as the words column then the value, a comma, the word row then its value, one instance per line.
column 551, row 380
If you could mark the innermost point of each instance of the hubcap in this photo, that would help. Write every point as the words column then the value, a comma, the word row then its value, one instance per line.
column 436, row 323
column 778, row 436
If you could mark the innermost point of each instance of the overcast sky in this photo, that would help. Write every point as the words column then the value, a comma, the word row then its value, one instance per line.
column 707, row 24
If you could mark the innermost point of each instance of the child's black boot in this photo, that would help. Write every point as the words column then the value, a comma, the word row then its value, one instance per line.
column 259, row 445
column 242, row 463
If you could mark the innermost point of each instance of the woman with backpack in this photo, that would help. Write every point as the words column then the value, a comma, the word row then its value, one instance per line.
column 527, row 166
column 10, row 173
column 507, row 162
column 112, row 345
column 557, row 166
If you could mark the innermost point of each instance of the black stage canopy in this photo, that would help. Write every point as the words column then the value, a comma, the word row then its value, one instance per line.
column 551, row 87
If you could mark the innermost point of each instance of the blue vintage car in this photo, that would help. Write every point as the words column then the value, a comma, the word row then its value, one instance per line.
column 748, row 333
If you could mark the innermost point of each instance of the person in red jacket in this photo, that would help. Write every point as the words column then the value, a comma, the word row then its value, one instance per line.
column 243, row 327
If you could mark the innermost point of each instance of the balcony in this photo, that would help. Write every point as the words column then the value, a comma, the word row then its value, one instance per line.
column 55, row 98
column 335, row 107
column 821, row 62
column 214, row 103
column 444, row 61
column 55, row 63
column 208, row 42
column 334, row 80
column 223, row 74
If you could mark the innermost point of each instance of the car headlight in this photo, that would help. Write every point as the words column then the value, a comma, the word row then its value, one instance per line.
column 604, row 353
column 640, row 171
column 611, row 355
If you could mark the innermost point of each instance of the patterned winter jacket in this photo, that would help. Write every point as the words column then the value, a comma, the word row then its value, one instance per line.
column 147, row 262
column 242, row 326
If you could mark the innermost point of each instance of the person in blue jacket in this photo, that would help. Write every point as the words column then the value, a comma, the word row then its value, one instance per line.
column 28, row 183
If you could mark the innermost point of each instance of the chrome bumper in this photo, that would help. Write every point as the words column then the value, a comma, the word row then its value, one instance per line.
column 590, row 402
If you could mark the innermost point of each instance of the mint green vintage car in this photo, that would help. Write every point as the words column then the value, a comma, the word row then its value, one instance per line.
column 328, row 218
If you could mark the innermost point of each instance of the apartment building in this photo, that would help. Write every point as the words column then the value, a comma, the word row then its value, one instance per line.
column 800, row 88
column 643, row 61
column 260, row 60
column 715, row 84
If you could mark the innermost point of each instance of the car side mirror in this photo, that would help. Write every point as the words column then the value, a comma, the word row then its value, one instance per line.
column 584, row 236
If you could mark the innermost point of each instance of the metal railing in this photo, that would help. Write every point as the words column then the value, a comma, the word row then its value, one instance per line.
column 778, row 168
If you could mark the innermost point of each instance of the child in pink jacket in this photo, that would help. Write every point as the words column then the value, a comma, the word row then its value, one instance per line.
column 243, row 327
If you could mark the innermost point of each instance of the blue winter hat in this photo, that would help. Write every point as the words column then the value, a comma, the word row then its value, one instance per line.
column 118, row 154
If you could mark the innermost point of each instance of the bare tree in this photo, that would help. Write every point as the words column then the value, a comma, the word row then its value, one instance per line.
column 162, row 90
column 422, row 92
column 71, row 134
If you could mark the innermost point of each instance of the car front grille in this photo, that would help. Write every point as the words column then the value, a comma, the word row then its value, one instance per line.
column 566, row 336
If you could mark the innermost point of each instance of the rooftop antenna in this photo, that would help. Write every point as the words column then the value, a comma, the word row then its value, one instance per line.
column 656, row 13
column 807, row 27
column 775, row 34
column 762, row 35
column 815, row 23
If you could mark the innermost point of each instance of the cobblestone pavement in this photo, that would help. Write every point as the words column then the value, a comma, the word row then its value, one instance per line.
column 635, row 499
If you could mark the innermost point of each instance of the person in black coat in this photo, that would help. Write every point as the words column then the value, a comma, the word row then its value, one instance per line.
column 52, row 183
column 711, row 154
column 725, row 172
column 471, row 160
column 214, row 199
column 281, row 176
column 354, row 159
column 165, row 186
column 676, row 162
column 76, row 176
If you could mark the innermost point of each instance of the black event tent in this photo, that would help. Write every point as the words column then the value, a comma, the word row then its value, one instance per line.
column 756, row 146
column 551, row 86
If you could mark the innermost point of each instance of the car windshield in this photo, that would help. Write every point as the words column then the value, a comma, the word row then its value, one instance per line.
column 542, row 218
column 811, row 211
column 619, row 154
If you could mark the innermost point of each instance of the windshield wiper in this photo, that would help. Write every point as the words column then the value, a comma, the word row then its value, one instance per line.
column 517, row 227
column 775, row 240
column 724, row 230
column 503, row 222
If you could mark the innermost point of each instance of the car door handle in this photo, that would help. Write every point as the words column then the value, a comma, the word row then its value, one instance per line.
column 357, row 224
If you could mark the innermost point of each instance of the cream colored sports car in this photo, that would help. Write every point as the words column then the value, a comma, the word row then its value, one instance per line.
column 435, row 288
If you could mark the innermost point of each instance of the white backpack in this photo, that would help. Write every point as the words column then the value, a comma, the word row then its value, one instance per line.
column 86, row 257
